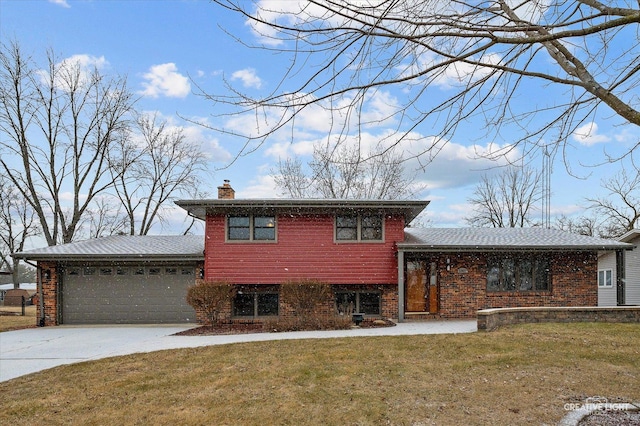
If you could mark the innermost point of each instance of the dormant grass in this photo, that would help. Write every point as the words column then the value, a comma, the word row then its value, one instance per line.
column 13, row 322
column 517, row 375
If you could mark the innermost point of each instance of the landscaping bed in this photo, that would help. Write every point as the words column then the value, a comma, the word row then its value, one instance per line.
column 251, row 327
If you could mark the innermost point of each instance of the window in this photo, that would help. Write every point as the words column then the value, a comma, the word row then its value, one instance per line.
column 605, row 278
column 89, row 270
column 186, row 271
column 366, row 302
column 251, row 228
column 138, row 271
column 122, row 271
column 525, row 273
column 106, row 271
column 359, row 228
column 73, row 271
column 154, row 271
column 255, row 304
column 171, row 271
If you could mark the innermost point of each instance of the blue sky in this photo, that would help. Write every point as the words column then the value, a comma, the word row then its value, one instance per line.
column 166, row 48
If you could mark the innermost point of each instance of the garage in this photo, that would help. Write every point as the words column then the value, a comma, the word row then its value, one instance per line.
column 126, row 294
column 118, row 280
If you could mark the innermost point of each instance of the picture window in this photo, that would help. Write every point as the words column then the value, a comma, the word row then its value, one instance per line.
column 524, row 273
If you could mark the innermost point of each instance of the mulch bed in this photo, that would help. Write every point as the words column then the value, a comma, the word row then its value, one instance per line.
column 243, row 328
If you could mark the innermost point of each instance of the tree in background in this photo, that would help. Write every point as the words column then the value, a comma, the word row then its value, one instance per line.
column 73, row 146
column 619, row 210
column 484, row 56
column 153, row 170
column 58, row 125
column 506, row 200
column 17, row 223
column 583, row 225
column 345, row 172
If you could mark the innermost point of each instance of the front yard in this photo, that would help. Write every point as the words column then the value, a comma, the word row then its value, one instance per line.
column 518, row 375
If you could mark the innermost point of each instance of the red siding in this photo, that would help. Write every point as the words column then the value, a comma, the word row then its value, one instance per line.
column 305, row 248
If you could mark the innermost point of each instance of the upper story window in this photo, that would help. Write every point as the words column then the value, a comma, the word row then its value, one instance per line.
column 251, row 228
column 359, row 228
column 522, row 273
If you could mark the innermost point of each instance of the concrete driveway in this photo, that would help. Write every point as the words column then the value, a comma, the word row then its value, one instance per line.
column 35, row 349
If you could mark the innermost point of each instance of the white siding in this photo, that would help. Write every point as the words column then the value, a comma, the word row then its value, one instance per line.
column 632, row 264
column 607, row 295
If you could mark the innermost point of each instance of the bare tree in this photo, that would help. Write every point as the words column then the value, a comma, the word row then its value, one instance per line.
column 159, row 167
column 344, row 172
column 583, row 225
column 620, row 208
column 17, row 224
column 506, row 200
column 484, row 55
column 57, row 126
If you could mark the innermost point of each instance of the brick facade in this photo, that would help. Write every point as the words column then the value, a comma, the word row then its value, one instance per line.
column 463, row 287
column 48, row 284
column 388, row 301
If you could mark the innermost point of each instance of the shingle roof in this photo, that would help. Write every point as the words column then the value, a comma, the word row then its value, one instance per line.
column 479, row 239
column 159, row 247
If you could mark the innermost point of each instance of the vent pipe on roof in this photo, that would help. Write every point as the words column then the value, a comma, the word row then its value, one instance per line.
column 226, row 192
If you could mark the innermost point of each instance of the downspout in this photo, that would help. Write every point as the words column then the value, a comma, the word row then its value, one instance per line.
column 400, row 286
column 620, row 279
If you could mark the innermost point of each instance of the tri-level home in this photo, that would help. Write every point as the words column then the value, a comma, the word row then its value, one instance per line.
column 375, row 262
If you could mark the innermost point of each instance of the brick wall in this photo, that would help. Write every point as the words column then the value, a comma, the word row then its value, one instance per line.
column 49, row 292
column 463, row 288
column 491, row 319
column 388, row 293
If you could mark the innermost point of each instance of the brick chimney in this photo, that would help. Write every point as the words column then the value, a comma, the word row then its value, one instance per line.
column 226, row 192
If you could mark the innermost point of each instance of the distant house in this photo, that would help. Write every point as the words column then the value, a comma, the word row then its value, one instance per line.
column 30, row 289
column 619, row 277
column 364, row 249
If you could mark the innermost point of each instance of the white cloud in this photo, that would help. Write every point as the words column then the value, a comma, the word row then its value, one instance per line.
column 62, row 3
column 76, row 66
column 248, row 77
column 263, row 186
column 165, row 80
column 588, row 135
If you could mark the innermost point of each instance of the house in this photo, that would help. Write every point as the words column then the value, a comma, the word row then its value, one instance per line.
column 375, row 262
column 27, row 289
column 620, row 285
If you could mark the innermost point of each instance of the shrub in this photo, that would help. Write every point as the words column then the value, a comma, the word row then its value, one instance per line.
column 309, row 301
column 211, row 297
column 306, row 296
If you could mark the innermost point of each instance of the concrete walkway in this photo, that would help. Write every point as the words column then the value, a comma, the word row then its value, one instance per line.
column 35, row 349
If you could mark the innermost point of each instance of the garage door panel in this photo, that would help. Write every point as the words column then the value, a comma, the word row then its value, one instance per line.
column 127, row 299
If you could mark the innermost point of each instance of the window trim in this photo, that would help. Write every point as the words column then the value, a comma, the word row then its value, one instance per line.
column 252, row 228
column 604, row 272
column 357, row 308
column 518, row 260
column 359, row 228
column 255, row 294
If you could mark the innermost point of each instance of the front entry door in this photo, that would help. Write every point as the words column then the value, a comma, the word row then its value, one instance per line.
column 421, row 287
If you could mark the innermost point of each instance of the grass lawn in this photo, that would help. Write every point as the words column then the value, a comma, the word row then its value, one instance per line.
column 13, row 322
column 517, row 375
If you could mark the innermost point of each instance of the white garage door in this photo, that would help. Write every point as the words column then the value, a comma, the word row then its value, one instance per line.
column 127, row 294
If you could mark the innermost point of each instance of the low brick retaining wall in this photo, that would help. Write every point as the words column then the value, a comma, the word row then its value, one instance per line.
column 490, row 319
